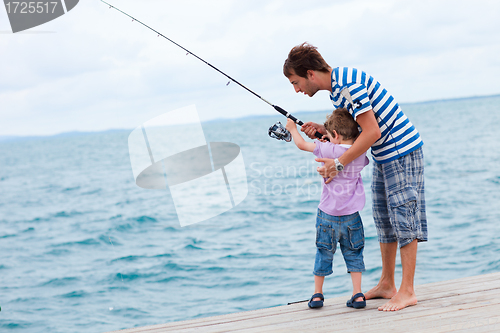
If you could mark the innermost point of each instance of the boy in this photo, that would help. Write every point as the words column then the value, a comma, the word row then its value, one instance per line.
column 338, row 217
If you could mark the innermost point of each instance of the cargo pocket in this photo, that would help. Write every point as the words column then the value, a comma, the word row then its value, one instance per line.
column 356, row 235
column 403, row 207
column 325, row 237
column 402, row 196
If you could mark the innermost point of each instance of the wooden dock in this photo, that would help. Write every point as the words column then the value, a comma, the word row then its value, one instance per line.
column 469, row 304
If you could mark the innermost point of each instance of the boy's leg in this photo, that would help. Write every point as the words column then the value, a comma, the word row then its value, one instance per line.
column 318, row 286
column 352, row 246
column 326, row 245
column 356, row 285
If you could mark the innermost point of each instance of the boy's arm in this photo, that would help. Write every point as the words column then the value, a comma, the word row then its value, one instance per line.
column 298, row 139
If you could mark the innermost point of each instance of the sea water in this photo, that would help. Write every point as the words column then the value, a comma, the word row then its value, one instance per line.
column 84, row 249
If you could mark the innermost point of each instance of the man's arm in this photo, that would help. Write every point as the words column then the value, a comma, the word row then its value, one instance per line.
column 369, row 135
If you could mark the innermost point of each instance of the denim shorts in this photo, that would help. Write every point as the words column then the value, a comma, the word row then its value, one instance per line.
column 346, row 230
column 398, row 199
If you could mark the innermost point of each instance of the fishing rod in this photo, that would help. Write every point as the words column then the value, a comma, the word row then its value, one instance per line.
column 277, row 130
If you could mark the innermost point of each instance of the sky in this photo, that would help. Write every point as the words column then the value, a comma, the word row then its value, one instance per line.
column 94, row 69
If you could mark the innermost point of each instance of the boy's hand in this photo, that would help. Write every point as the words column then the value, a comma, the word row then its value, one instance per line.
column 290, row 125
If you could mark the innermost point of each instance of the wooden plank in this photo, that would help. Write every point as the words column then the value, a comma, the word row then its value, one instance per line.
column 417, row 318
column 267, row 309
column 382, row 320
column 476, row 299
column 470, row 285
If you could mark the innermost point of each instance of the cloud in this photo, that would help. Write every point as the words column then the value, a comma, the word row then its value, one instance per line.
column 96, row 69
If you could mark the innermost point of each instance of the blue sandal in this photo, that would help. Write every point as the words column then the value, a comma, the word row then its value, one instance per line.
column 316, row 304
column 357, row 305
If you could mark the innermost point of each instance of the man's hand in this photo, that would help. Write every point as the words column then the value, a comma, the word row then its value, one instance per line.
column 328, row 170
column 311, row 128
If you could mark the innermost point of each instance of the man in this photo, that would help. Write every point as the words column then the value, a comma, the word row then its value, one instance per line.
column 398, row 172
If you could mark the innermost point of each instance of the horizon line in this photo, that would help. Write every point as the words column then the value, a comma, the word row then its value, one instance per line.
column 5, row 138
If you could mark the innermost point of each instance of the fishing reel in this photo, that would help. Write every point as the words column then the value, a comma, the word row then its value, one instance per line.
column 279, row 132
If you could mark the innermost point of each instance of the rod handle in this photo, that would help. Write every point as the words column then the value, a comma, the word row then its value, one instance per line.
column 297, row 121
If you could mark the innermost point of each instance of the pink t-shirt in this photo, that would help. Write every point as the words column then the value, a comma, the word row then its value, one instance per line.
column 345, row 194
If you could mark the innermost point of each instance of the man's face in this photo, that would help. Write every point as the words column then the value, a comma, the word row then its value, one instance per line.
column 304, row 85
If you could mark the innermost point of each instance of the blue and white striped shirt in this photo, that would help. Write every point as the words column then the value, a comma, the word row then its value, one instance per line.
column 358, row 92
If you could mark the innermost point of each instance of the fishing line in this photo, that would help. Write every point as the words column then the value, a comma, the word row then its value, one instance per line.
column 276, row 107
column 306, row 300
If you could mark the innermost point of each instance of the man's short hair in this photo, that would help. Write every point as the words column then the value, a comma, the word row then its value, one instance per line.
column 343, row 123
column 302, row 58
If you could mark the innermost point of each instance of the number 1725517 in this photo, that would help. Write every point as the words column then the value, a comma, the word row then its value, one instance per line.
column 31, row 7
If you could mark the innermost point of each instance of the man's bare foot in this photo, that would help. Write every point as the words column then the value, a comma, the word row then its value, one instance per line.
column 381, row 291
column 399, row 301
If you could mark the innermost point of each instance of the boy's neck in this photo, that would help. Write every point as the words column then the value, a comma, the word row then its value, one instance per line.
column 346, row 142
